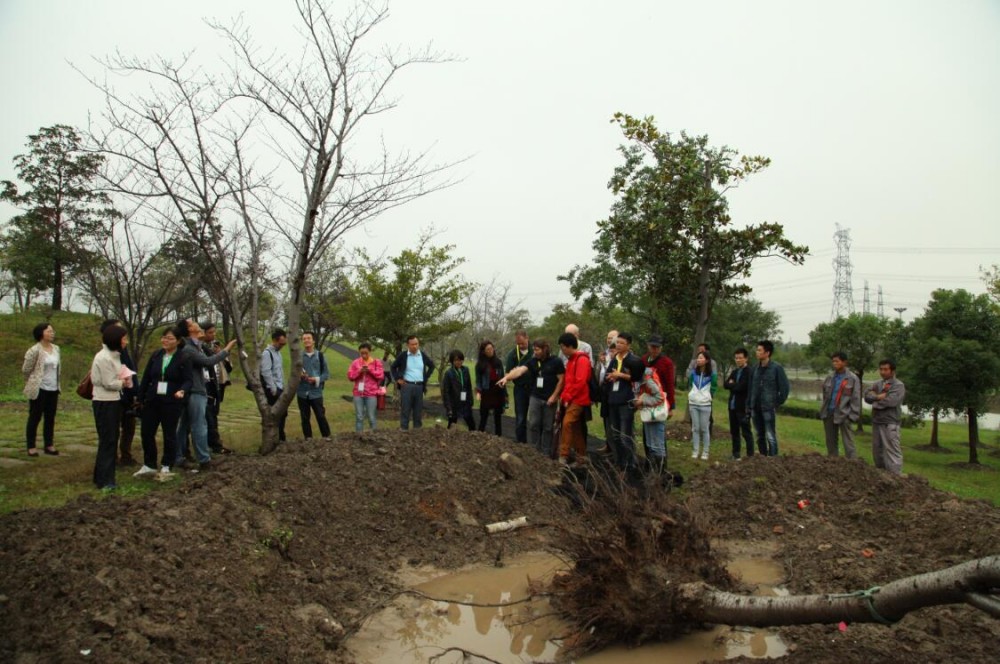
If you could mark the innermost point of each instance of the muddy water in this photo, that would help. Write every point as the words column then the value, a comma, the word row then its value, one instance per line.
column 415, row 629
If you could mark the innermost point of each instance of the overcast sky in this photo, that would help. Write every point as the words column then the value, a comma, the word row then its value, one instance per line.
column 881, row 116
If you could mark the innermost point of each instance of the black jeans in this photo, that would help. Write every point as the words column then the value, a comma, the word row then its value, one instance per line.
column 42, row 407
column 522, row 399
column 621, row 424
column 271, row 400
column 739, row 422
column 107, row 418
column 484, row 414
column 155, row 415
column 315, row 405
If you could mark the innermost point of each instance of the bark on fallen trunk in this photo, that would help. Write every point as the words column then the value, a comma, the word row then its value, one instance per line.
column 972, row 583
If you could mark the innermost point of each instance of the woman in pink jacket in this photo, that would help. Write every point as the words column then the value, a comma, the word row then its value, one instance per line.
column 366, row 373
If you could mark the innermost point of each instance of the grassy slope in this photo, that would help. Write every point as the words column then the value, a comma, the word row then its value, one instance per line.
column 51, row 481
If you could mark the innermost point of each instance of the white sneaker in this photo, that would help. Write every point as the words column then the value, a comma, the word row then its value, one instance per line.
column 704, row 456
column 145, row 471
column 694, row 455
column 164, row 475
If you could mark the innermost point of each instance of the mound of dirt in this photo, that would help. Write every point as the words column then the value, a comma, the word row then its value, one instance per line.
column 267, row 559
column 861, row 528
column 276, row 558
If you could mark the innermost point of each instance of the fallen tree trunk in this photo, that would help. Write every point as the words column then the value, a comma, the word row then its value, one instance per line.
column 973, row 583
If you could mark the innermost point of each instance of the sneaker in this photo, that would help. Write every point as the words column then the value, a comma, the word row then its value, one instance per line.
column 145, row 471
column 108, row 488
column 129, row 461
column 164, row 475
column 694, row 455
column 704, row 456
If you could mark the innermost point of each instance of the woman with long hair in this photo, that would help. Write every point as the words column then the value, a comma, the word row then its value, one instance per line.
column 492, row 397
column 41, row 386
column 109, row 377
column 702, row 382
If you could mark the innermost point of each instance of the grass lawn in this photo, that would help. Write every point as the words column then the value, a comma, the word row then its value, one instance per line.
column 47, row 481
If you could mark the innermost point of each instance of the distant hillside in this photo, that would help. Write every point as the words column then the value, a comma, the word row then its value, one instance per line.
column 77, row 338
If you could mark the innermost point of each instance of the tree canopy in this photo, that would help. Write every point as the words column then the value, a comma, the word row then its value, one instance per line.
column 63, row 211
column 410, row 293
column 952, row 361
column 669, row 248
column 864, row 338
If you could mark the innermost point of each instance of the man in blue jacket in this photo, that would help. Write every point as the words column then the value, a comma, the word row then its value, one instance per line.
column 768, row 389
column 315, row 373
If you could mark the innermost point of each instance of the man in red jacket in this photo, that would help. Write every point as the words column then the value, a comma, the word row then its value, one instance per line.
column 662, row 365
column 574, row 398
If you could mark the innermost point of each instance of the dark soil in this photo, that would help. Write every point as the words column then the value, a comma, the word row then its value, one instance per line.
column 262, row 560
column 910, row 527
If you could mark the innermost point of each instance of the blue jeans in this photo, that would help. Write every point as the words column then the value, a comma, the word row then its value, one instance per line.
column 767, row 435
column 701, row 428
column 654, row 437
column 364, row 406
column 411, row 403
column 193, row 420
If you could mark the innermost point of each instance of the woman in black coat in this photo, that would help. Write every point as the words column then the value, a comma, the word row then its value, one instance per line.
column 165, row 382
column 492, row 397
column 456, row 391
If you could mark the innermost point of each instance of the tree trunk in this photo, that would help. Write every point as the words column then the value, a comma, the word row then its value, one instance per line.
column 57, row 273
column 968, row 583
column 935, row 413
column 973, row 416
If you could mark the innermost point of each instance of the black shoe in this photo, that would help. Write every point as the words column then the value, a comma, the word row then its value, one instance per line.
column 127, row 461
column 221, row 450
column 204, row 466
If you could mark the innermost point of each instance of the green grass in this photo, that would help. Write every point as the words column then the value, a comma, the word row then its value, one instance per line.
column 49, row 481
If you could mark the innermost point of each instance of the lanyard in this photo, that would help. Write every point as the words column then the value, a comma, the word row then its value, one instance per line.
column 461, row 377
column 518, row 353
column 166, row 363
column 619, row 359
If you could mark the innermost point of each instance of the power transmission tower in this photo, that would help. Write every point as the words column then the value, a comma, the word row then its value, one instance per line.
column 880, row 304
column 843, row 292
column 866, row 302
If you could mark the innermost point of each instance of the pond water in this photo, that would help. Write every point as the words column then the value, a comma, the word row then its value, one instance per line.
column 986, row 420
column 414, row 629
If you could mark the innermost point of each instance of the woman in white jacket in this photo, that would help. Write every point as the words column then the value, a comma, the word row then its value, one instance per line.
column 702, row 382
column 41, row 386
column 109, row 377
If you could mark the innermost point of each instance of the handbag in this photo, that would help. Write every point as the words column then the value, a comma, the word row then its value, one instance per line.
column 86, row 387
column 657, row 413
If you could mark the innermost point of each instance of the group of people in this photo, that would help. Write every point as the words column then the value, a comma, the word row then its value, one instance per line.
column 180, row 393
column 556, row 391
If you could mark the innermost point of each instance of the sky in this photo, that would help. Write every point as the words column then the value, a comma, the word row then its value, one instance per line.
column 878, row 116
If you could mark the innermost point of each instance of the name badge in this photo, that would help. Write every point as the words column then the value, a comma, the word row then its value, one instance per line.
column 204, row 373
column 361, row 386
column 540, row 382
column 614, row 387
column 462, row 396
column 161, row 388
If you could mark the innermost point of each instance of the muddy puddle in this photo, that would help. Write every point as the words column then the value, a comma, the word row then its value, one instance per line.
column 415, row 629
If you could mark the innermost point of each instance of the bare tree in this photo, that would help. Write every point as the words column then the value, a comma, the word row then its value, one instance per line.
column 488, row 312
column 186, row 145
column 137, row 282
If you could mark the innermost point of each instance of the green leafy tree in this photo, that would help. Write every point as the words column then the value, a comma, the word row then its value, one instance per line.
column 740, row 322
column 412, row 293
column 991, row 277
column 63, row 211
column 952, row 361
column 669, row 249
